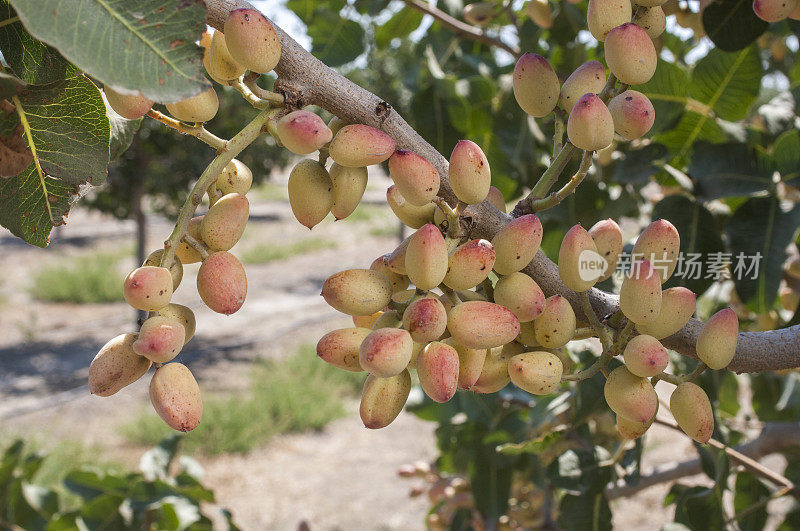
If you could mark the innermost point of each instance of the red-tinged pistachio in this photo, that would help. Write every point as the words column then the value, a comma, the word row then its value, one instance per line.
column 310, row 192
column 116, row 366
column 222, row 283
column 630, row 396
column 691, row 408
column 536, row 85
column 148, row 288
column 479, row 324
column 677, row 307
column 640, row 294
column 516, row 244
column 538, row 373
column 414, row 176
column 469, row 264
column 382, row 399
column 360, row 145
column 556, row 326
column 521, row 294
column 470, row 175
column 437, row 368
column 630, row 54
column 590, row 125
column 716, row 344
column 426, row 257
column 303, row 132
column 175, row 396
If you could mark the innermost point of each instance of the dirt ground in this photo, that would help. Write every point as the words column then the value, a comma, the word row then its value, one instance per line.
column 343, row 477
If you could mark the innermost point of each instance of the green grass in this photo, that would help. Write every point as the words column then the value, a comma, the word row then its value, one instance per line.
column 384, row 230
column 270, row 191
column 294, row 395
column 364, row 212
column 264, row 253
column 83, row 280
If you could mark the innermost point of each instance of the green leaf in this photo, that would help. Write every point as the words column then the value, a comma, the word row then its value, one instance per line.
column 29, row 205
column 43, row 500
column 336, row 40
column 698, row 507
column 639, row 164
column 400, row 25
column 580, row 470
column 64, row 124
column 693, row 126
column 10, row 85
column 584, row 512
column 155, row 462
column 728, row 395
column 667, row 90
column 31, row 60
column 727, row 82
column 749, row 491
column 69, row 129
column 764, row 227
column 699, row 235
column 122, row 133
column 725, row 170
column 732, row 24
column 148, row 45
column 786, row 155
column 89, row 484
column 533, row 446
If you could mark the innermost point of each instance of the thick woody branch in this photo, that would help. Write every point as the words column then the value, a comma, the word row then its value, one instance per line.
column 775, row 437
column 462, row 28
column 304, row 80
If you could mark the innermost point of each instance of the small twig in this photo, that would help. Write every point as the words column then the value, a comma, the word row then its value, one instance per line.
column 197, row 246
column 248, row 95
column 759, row 504
column 267, row 95
column 679, row 379
column 450, row 294
column 197, row 131
column 594, row 321
column 747, row 462
column 462, row 28
column 569, row 188
column 233, row 147
column 558, row 136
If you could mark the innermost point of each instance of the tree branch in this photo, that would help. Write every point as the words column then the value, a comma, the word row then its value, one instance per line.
column 775, row 437
column 304, row 80
column 462, row 28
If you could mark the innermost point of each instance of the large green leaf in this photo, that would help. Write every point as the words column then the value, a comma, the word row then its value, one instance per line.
column 699, row 236
column 786, row 156
column 667, row 89
column 400, row 25
column 147, row 45
column 335, row 39
column 725, row 170
column 697, row 507
column 692, row 127
column 64, row 124
column 764, row 227
column 31, row 60
column 587, row 512
column 750, row 491
column 727, row 82
column 732, row 24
